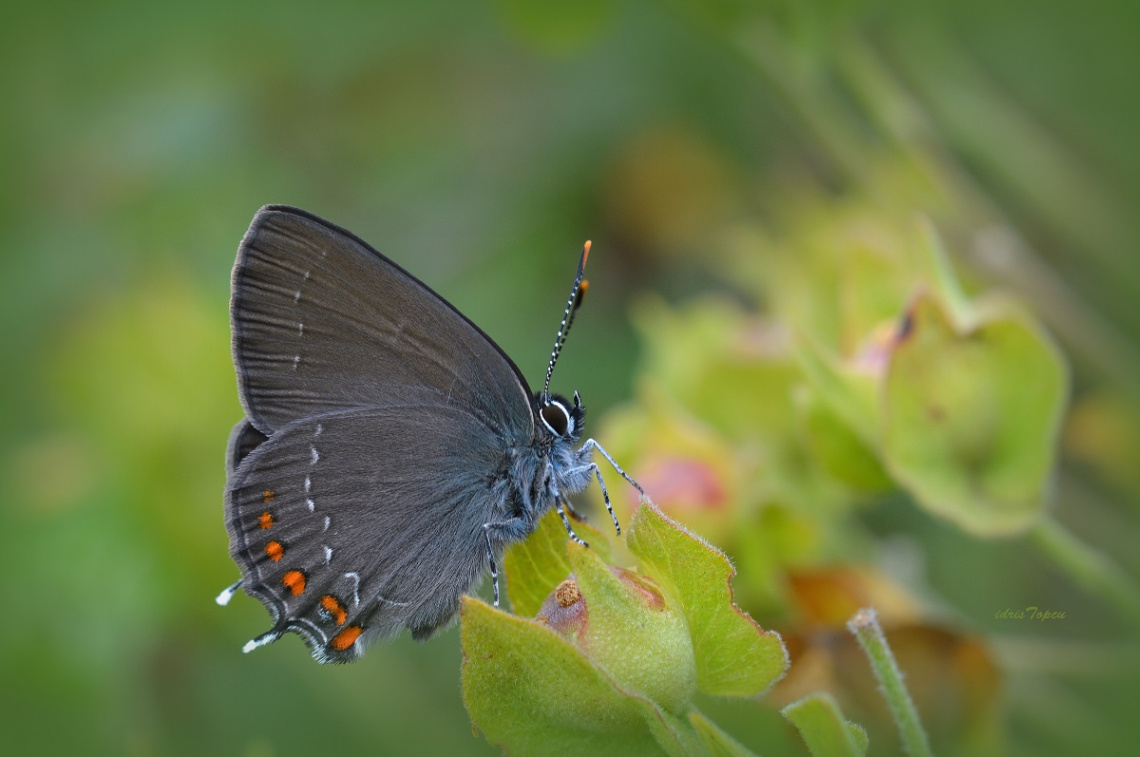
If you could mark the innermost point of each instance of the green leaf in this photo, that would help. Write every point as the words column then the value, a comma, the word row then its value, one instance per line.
column 532, row 692
column 824, row 729
column 675, row 735
column 851, row 396
column 875, row 278
column 724, row 366
column 536, row 565
column 717, row 742
column 962, row 309
column 838, row 448
column 734, row 656
column 971, row 418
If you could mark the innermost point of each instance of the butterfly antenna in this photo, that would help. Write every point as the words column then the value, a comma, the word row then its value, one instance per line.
column 572, row 305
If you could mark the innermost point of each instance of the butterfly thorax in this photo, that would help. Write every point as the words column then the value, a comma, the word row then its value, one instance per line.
column 536, row 475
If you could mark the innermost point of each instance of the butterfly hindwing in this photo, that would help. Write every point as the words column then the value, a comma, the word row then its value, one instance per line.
column 355, row 524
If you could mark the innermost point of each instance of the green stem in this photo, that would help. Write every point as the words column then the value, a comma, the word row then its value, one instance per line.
column 824, row 118
column 865, row 625
column 1089, row 568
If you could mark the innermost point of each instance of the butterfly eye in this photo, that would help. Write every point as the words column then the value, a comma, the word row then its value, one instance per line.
column 556, row 417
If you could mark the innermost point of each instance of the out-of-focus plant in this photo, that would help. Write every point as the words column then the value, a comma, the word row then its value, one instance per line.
column 876, row 374
column 904, row 383
column 951, row 675
column 866, row 372
column 959, row 400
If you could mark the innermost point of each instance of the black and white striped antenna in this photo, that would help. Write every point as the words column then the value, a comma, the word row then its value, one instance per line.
column 572, row 305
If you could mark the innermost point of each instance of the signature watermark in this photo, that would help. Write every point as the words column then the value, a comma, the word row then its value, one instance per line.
column 1030, row 613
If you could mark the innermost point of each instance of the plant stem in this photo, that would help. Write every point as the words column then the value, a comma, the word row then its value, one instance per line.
column 1087, row 567
column 865, row 625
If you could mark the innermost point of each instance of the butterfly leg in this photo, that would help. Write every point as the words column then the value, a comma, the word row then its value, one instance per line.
column 566, row 522
column 513, row 530
column 491, row 561
column 591, row 445
column 593, row 468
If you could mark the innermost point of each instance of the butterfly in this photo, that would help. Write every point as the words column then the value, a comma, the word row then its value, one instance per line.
column 390, row 450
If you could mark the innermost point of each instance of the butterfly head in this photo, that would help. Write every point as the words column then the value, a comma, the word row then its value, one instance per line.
column 563, row 419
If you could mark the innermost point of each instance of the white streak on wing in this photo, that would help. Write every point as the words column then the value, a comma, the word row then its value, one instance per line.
column 315, row 455
column 382, row 598
column 308, row 484
column 356, row 586
column 296, row 361
column 320, row 428
column 328, row 521
column 297, row 294
column 312, row 505
column 300, row 328
column 328, row 553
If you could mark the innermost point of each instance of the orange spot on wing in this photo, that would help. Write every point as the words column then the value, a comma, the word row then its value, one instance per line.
column 334, row 608
column 294, row 581
column 266, row 520
column 275, row 550
column 346, row 638
column 267, row 496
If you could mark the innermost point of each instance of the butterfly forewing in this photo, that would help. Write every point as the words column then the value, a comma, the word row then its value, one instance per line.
column 243, row 440
column 322, row 322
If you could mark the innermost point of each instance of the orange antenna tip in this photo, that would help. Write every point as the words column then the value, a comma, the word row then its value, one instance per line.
column 585, row 252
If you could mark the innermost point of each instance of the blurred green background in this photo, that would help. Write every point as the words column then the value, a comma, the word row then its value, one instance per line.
column 479, row 144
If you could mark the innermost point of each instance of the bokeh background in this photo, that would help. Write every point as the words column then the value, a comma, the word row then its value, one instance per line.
column 479, row 144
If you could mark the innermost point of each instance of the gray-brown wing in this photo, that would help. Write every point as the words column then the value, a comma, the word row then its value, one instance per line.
column 321, row 321
column 243, row 439
column 356, row 524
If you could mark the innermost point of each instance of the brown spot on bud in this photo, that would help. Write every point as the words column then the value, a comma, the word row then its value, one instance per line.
column 565, row 609
column 567, row 593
